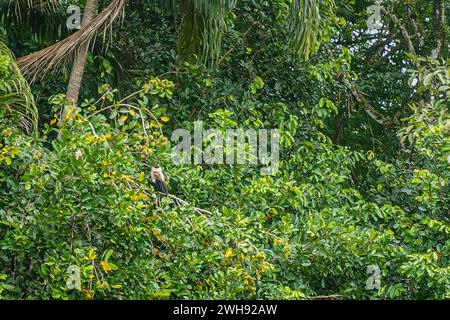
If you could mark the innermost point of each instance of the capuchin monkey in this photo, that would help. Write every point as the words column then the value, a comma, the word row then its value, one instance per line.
column 158, row 181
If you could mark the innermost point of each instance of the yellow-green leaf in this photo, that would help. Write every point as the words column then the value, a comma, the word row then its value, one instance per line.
column 228, row 253
column 91, row 254
column 106, row 266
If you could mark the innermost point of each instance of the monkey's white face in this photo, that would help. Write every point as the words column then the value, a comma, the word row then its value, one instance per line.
column 157, row 174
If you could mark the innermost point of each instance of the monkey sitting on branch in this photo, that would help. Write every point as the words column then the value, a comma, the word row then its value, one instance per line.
column 158, row 181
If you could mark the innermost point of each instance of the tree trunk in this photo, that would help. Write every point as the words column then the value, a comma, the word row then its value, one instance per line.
column 76, row 77
column 439, row 28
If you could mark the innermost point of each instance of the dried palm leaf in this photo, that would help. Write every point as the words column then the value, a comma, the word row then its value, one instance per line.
column 37, row 64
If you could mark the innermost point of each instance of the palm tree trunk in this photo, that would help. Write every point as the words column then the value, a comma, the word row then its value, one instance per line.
column 76, row 77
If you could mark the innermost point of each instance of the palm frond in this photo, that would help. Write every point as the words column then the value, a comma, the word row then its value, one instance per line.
column 307, row 21
column 37, row 64
column 39, row 21
column 201, row 28
column 43, row 5
column 15, row 93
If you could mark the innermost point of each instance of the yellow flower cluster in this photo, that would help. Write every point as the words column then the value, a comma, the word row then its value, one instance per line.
column 161, row 87
column 98, row 139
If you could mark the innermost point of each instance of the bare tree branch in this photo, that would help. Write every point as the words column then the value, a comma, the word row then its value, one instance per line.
column 401, row 28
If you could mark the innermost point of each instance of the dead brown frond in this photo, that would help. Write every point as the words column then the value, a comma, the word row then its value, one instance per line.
column 36, row 65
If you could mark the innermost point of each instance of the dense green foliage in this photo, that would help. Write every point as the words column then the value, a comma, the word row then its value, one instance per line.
column 364, row 175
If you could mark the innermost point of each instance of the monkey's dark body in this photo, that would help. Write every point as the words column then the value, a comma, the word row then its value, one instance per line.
column 159, row 185
column 158, row 182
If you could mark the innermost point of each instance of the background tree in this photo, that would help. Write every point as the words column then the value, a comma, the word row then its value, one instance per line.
column 363, row 177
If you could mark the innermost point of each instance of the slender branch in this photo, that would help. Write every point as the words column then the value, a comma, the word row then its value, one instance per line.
column 186, row 203
column 380, row 46
column 330, row 297
column 401, row 28
column 380, row 119
column 412, row 18
column 178, row 200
